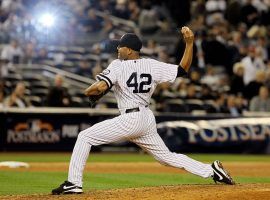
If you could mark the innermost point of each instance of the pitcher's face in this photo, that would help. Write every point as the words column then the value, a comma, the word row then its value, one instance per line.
column 123, row 53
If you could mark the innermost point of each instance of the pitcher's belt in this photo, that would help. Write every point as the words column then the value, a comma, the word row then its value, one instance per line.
column 137, row 109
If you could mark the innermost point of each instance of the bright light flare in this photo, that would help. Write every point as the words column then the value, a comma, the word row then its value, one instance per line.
column 47, row 20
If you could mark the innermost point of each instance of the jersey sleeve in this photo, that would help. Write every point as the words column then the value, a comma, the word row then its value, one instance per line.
column 164, row 72
column 109, row 75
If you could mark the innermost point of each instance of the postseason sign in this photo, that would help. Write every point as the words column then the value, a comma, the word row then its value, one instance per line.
column 250, row 135
column 49, row 130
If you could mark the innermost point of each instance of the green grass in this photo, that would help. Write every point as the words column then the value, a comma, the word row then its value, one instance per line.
column 105, row 157
column 43, row 182
column 16, row 182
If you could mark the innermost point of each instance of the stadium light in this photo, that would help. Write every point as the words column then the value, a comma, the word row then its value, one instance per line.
column 47, row 20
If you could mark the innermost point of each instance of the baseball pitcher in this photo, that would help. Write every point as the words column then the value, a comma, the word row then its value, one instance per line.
column 134, row 80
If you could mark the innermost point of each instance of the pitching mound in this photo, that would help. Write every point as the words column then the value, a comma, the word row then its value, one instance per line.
column 185, row 192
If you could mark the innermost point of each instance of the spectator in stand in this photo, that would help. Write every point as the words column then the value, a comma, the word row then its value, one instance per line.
column 198, row 8
column 161, row 94
column 41, row 55
column 249, row 13
column 231, row 106
column 134, row 10
column 2, row 93
column 12, row 6
column 80, row 16
column 163, row 56
column 191, row 92
column 181, row 87
column 215, row 48
column 260, row 103
column 121, row 9
column 84, row 68
column 58, row 59
column 233, row 12
column 151, row 48
column 220, row 102
column 29, row 53
column 58, row 95
column 252, row 89
column 108, row 26
column 263, row 48
column 4, row 67
column 96, row 49
column 92, row 23
column 148, row 20
column 211, row 78
column 243, row 29
column 72, row 29
column 267, row 72
column 17, row 98
column 235, row 46
column 195, row 78
column 200, row 40
column 206, row 93
column 104, row 6
column 237, row 82
column 214, row 9
column 97, row 69
column 241, row 103
column 12, row 52
column 252, row 63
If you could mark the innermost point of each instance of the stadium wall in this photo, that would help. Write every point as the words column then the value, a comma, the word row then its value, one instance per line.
column 56, row 129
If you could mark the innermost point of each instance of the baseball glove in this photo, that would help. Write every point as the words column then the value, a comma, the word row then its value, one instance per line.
column 93, row 99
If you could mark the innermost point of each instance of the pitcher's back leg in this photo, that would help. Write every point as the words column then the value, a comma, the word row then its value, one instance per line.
column 154, row 145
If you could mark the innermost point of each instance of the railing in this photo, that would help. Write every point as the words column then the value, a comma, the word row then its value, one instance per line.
column 117, row 20
column 47, row 71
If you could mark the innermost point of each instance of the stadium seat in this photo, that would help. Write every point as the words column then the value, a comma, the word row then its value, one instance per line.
column 31, row 77
column 194, row 104
column 40, row 84
column 13, row 78
column 76, row 102
column 57, row 49
column 210, row 106
column 175, row 105
column 68, row 66
column 39, row 92
column 73, row 57
column 36, row 101
column 49, row 62
column 169, row 95
column 109, row 102
column 91, row 57
column 27, row 92
column 76, row 50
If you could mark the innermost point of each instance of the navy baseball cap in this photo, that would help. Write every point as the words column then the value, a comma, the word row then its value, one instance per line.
column 131, row 41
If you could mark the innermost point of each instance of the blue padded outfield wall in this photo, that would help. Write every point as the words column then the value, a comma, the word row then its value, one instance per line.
column 49, row 129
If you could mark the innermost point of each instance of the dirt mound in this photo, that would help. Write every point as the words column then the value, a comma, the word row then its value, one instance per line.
column 185, row 192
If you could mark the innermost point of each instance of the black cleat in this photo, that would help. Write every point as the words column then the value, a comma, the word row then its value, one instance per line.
column 67, row 188
column 220, row 174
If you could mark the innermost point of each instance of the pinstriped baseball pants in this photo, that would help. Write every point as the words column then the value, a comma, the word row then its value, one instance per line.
column 138, row 127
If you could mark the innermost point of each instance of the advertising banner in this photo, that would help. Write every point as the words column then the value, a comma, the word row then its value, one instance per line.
column 44, row 130
column 40, row 132
column 249, row 135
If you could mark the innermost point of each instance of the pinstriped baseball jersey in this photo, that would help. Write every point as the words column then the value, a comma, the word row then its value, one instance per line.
column 134, row 81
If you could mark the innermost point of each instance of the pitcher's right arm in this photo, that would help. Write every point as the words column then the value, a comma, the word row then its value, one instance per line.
column 186, row 60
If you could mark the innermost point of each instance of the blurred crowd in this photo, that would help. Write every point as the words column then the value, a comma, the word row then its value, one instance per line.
column 230, row 72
